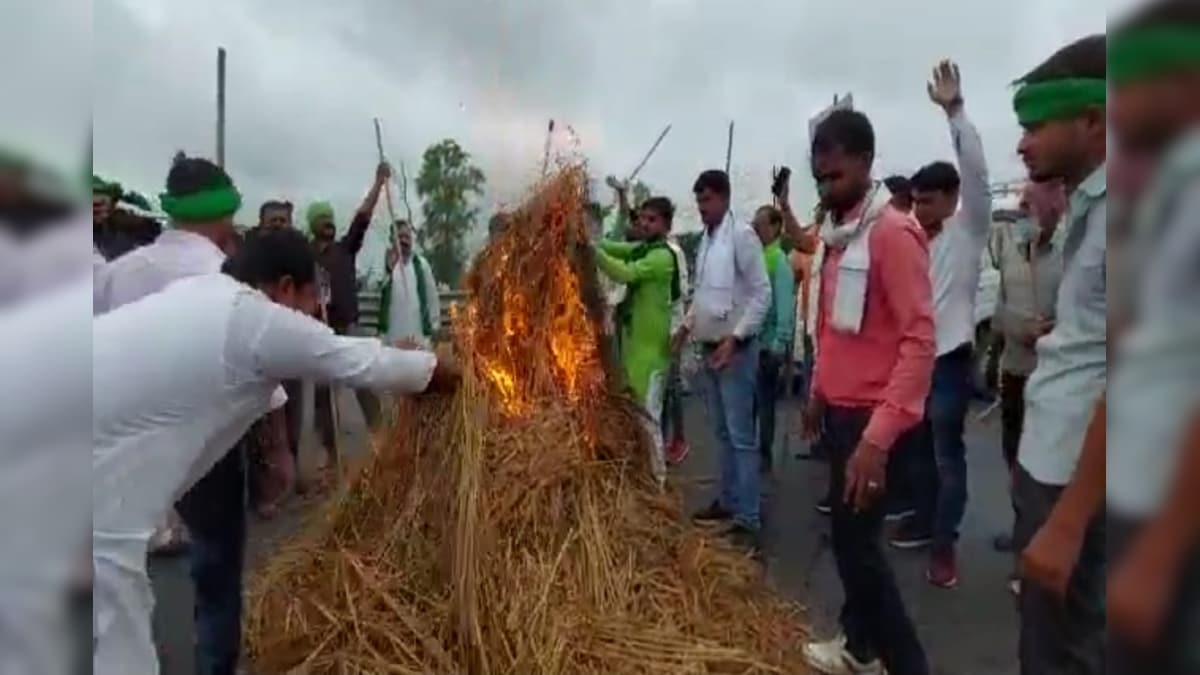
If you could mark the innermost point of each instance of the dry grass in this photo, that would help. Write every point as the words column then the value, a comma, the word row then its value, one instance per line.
column 513, row 528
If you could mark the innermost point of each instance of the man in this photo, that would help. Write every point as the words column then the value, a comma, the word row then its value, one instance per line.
column 775, row 336
column 901, row 189
column 108, row 239
column 275, row 214
column 1058, row 485
column 340, row 294
column 1152, row 523
column 1030, row 262
column 650, row 272
column 201, row 200
column 410, row 309
column 731, row 297
column 184, row 373
column 957, row 239
column 876, row 335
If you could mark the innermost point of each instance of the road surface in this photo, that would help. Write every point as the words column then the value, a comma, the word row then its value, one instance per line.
column 967, row 631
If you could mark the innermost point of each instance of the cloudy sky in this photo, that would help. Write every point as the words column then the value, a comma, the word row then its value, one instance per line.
column 306, row 77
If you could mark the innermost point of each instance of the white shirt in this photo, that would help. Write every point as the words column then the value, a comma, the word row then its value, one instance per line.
column 751, row 287
column 177, row 378
column 148, row 269
column 59, row 255
column 404, row 315
column 1153, row 395
column 955, row 252
column 46, row 359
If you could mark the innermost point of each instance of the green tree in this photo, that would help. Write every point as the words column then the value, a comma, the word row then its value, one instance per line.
column 447, row 184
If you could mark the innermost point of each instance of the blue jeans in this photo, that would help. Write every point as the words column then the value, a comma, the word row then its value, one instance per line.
column 941, row 505
column 729, row 400
column 215, row 513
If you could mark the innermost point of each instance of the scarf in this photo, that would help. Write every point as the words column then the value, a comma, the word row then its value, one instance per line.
column 850, row 296
column 715, row 270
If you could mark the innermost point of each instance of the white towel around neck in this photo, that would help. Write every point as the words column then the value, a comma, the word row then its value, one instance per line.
column 716, row 270
column 850, row 296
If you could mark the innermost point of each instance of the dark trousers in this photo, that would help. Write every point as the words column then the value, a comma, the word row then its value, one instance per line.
column 873, row 616
column 1012, row 415
column 1178, row 653
column 941, row 504
column 767, row 394
column 215, row 513
column 293, row 410
column 1060, row 637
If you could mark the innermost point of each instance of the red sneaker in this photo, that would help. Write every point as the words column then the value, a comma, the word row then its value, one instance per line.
column 677, row 450
column 943, row 568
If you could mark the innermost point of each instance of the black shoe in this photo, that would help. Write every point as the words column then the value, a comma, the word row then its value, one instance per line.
column 910, row 537
column 745, row 539
column 896, row 514
column 1002, row 543
column 714, row 513
column 824, row 507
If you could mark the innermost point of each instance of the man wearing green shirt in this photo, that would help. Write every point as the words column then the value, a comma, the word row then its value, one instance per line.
column 650, row 272
column 777, row 328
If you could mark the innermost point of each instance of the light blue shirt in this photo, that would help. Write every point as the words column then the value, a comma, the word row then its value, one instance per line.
column 1072, row 361
column 1156, row 372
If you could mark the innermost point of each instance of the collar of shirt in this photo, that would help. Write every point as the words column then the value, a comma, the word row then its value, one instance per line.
column 200, row 244
column 1094, row 187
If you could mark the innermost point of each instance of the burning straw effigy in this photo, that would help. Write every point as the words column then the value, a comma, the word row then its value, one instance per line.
column 513, row 527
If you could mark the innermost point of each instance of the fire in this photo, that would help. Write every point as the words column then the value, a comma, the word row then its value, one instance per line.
column 525, row 323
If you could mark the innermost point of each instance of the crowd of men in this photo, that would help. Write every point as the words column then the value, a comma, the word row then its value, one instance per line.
column 202, row 337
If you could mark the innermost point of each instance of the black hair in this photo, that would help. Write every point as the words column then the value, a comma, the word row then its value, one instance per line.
column 662, row 206
column 273, row 204
column 1163, row 13
column 773, row 214
column 936, row 177
column 898, row 185
column 189, row 175
column 1084, row 58
column 849, row 130
column 268, row 255
column 713, row 180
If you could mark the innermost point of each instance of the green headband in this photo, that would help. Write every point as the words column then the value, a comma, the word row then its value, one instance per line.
column 1058, row 99
column 1150, row 52
column 198, row 207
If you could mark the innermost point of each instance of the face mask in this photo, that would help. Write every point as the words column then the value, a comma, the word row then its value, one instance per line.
column 1024, row 230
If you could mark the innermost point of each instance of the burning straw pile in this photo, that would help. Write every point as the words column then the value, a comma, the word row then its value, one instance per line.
column 514, row 527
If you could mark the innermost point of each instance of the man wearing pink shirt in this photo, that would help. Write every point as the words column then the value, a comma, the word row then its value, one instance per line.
column 872, row 376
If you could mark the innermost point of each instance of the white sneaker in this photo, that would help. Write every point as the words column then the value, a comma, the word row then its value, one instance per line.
column 832, row 658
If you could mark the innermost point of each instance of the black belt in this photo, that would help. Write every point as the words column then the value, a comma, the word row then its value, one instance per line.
column 739, row 343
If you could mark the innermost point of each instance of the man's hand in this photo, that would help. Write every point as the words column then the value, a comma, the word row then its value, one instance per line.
column 866, row 476
column 383, row 173
column 723, row 354
column 279, row 477
column 946, row 87
column 814, row 413
column 447, row 375
column 678, row 340
column 785, row 191
column 616, row 184
column 1037, row 329
column 1050, row 558
column 408, row 344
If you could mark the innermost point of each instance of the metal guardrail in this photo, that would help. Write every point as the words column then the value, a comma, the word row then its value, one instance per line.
column 369, row 309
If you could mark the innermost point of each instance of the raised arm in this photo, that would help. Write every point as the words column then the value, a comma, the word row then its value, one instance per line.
column 658, row 264
column 353, row 241
column 904, row 273
column 946, row 91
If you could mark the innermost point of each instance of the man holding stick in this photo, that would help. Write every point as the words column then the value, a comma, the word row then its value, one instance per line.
column 337, row 260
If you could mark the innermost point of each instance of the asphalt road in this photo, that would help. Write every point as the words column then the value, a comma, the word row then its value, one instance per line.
column 970, row 630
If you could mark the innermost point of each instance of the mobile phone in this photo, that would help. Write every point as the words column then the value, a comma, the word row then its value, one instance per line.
column 781, row 179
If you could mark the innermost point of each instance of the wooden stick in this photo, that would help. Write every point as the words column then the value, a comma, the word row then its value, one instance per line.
column 546, row 151
column 636, row 170
column 387, row 186
column 221, row 107
column 729, row 149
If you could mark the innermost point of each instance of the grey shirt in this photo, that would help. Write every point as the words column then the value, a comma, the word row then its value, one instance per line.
column 1030, row 273
column 1156, row 371
column 1072, row 368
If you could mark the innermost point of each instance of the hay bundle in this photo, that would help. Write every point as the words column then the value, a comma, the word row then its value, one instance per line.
column 513, row 527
